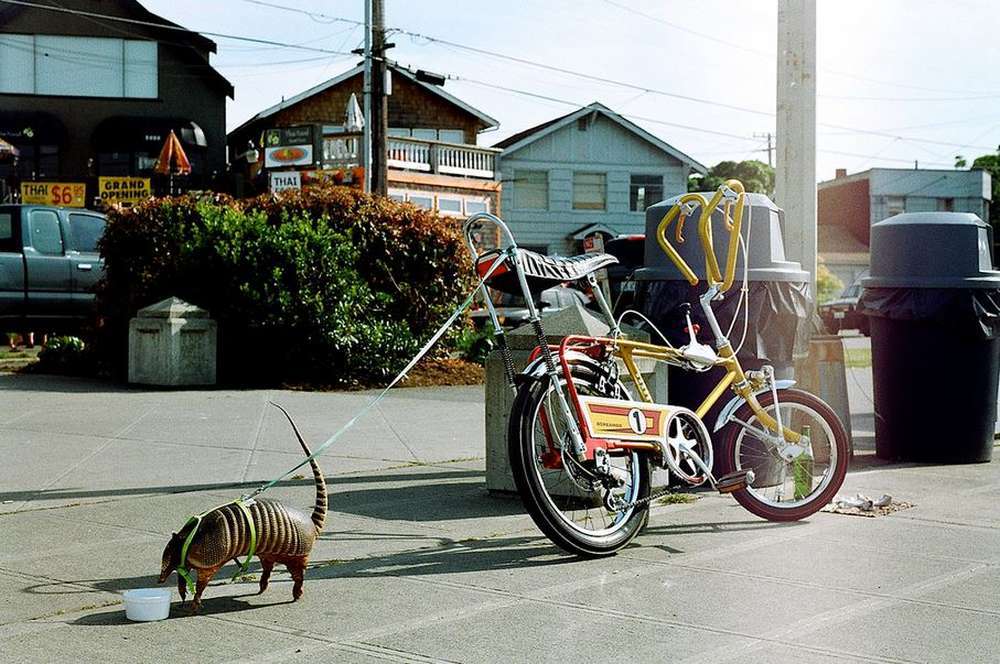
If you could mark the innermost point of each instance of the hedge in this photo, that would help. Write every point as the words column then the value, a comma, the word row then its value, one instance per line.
column 327, row 285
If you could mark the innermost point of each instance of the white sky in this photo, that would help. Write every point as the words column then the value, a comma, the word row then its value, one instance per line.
column 928, row 69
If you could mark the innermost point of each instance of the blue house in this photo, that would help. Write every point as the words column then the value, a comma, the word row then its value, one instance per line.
column 589, row 172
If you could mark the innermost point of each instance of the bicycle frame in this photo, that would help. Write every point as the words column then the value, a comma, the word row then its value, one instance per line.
column 744, row 385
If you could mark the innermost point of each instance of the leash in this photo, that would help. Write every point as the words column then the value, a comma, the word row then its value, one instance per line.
column 244, row 505
column 508, row 253
column 244, row 502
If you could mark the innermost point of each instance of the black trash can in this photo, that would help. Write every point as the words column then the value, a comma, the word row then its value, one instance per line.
column 778, row 297
column 933, row 299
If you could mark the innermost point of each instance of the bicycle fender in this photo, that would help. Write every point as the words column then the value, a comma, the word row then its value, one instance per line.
column 737, row 401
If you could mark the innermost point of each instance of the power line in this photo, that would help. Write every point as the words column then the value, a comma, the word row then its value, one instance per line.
column 165, row 26
column 633, row 86
column 535, row 95
column 771, row 55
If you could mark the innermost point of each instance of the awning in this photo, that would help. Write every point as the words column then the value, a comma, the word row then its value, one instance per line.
column 128, row 132
column 21, row 127
column 590, row 229
column 7, row 151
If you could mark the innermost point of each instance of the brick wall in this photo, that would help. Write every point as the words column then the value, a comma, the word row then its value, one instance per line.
column 848, row 205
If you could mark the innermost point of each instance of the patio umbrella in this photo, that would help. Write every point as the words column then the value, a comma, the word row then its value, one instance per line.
column 7, row 151
column 172, row 153
column 355, row 119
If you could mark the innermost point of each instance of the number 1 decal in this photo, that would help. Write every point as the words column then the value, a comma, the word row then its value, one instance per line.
column 637, row 420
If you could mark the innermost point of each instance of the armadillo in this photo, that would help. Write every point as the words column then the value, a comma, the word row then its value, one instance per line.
column 284, row 535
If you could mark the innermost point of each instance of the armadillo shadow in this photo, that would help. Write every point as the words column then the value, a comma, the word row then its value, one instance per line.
column 215, row 605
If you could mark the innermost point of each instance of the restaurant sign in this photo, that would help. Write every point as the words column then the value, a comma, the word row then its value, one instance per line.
column 64, row 194
column 123, row 190
column 290, row 155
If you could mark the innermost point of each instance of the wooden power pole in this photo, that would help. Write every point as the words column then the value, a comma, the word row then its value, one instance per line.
column 380, row 104
column 795, row 163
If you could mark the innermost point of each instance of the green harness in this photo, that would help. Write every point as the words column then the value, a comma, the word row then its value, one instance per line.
column 244, row 505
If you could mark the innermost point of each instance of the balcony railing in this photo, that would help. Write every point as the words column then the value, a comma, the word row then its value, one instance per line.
column 414, row 154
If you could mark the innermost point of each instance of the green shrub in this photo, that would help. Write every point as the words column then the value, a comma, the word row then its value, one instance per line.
column 64, row 355
column 327, row 285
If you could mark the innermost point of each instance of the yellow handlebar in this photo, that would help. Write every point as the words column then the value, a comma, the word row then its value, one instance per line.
column 661, row 234
column 733, row 224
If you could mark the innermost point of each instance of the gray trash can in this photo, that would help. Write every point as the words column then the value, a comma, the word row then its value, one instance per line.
column 933, row 298
column 778, row 294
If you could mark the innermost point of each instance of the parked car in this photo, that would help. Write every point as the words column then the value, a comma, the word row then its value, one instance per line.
column 49, row 266
column 843, row 313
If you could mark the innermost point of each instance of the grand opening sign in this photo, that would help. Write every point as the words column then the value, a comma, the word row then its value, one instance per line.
column 123, row 190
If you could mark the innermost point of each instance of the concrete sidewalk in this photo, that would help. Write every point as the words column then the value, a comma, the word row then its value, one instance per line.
column 419, row 564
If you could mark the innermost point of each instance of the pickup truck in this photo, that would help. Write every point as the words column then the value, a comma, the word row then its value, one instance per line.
column 49, row 267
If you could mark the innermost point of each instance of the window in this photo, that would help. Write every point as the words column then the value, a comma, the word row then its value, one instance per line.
column 425, row 134
column 895, row 205
column 7, row 240
column 397, row 196
column 86, row 230
column 589, row 191
column 946, row 204
column 531, row 190
column 46, row 237
column 472, row 206
column 78, row 66
column 644, row 190
column 450, row 206
column 422, row 201
column 398, row 131
column 451, row 135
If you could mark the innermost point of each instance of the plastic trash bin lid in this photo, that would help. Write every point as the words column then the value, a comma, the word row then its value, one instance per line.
column 766, row 248
column 932, row 250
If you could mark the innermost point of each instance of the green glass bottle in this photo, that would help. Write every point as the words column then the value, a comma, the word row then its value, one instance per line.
column 802, row 468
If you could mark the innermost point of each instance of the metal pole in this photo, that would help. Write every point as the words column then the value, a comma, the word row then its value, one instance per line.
column 795, row 175
column 366, row 137
column 380, row 104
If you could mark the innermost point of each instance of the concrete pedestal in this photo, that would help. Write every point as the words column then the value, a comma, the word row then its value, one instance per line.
column 499, row 398
column 172, row 343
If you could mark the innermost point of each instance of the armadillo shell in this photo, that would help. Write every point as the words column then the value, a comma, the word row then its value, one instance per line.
column 224, row 534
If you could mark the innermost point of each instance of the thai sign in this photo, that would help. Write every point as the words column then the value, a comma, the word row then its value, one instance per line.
column 282, row 180
column 123, row 190
column 65, row 194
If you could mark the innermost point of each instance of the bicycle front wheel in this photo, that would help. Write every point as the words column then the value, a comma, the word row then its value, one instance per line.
column 568, row 500
column 790, row 482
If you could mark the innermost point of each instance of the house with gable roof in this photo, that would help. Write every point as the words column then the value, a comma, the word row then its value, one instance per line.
column 433, row 158
column 589, row 172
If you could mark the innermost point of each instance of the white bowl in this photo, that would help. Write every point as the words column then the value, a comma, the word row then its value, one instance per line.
column 147, row 604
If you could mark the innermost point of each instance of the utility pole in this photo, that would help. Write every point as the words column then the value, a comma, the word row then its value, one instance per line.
column 770, row 147
column 380, row 105
column 795, row 175
column 366, row 136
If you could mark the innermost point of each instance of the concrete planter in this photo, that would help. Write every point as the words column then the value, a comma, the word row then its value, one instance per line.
column 172, row 343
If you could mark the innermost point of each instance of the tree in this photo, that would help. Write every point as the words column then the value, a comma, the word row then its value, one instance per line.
column 755, row 175
column 960, row 161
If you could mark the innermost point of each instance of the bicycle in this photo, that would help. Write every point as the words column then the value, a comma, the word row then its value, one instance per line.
column 581, row 447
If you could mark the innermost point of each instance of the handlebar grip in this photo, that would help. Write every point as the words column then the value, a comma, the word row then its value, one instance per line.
column 661, row 235
column 734, row 232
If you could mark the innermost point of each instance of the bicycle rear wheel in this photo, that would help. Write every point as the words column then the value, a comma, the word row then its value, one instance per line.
column 565, row 498
column 789, row 489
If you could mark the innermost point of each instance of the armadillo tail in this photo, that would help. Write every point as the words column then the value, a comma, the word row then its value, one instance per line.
column 319, row 510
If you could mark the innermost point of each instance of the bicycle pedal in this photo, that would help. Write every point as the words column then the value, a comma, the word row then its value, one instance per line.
column 735, row 481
